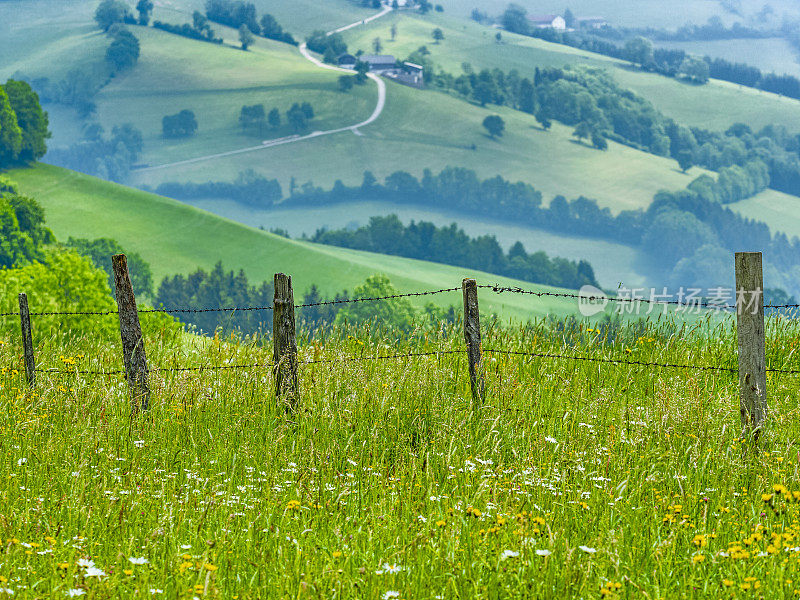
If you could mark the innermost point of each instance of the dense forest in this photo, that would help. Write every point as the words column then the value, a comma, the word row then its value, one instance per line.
column 450, row 245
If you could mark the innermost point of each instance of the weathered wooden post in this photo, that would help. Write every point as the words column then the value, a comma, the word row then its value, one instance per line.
column 472, row 335
column 130, row 330
column 751, row 338
column 27, row 339
column 284, row 341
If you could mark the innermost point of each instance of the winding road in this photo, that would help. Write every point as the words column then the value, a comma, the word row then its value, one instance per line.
column 300, row 138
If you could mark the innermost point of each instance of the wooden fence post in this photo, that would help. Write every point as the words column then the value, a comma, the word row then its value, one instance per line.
column 130, row 330
column 472, row 335
column 751, row 342
column 284, row 341
column 27, row 339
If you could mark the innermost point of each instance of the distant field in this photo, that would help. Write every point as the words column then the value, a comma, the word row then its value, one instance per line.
column 612, row 263
column 215, row 82
column 770, row 55
column 716, row 105
column 633, row 13
column 421, row 130
column 781, row 213
column 176, row 238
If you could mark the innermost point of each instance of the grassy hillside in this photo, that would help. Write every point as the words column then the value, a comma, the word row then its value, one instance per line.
column 716, row 105
column 571, row 478
column 215, row 82
column 176, row 238
column 298, row 17
column 613, row 263
column 421, row 130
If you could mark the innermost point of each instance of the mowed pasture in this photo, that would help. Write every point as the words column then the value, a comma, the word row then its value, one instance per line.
column 427, row 129
column 573, row 479
column 716, row 105
column 298, row 17
column 168, row 235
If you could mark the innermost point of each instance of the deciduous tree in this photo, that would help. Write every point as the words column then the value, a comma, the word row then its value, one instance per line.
column 495, row 125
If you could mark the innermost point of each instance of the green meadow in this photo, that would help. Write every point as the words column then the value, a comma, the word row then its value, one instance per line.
column 572, row 479
column 176, row 238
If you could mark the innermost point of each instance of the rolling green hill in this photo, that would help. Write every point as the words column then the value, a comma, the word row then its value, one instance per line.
column 176, row 238
column 716, row 105
column 424, row 129
column 613, row 263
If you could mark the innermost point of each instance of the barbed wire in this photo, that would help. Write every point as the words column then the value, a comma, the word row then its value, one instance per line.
column 700, row 304
column 235, row 308
column 609, row 360
column 498, row 289
column 409, row 355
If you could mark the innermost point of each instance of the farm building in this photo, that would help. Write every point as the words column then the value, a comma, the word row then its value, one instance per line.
column 410, row 74
column 548, row 22
column 347, row 61
column 379, row 62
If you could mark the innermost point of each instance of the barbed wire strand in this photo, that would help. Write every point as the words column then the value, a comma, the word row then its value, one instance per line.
column 235, row 308
column 702, row 304
column 493, row 287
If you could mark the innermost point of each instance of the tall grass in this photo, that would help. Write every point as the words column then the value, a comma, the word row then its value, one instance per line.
column 575, row 479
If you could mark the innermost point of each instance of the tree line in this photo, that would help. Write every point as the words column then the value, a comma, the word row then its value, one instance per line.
column 23, row 125
column 109, row 157
column 450, row 245
column 238, row 14
column 248, row 188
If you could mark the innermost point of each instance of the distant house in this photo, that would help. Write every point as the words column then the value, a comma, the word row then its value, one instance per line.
column 347, row 61
column 548, row 22
column 591, row 22
column 379, row 62
column 410, row 74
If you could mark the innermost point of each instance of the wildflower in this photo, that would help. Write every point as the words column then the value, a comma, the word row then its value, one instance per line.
column 587, row 549
column 85, row 563
column 155, row 591
column 508, row 554
column 21, row 461
column 138, row 561
column 209, row 567
column 727, row 582
column 95, row 572
column 8, row 591
column 138, row 443
column 293, row 505
column 75, row 592
column 390, row 594
column 128, row 572
column 700, row 541
column 552, row 440
column 337, row 554
column 388, row 569
column 543, row 553
column 440, row 523
column 698, row 558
